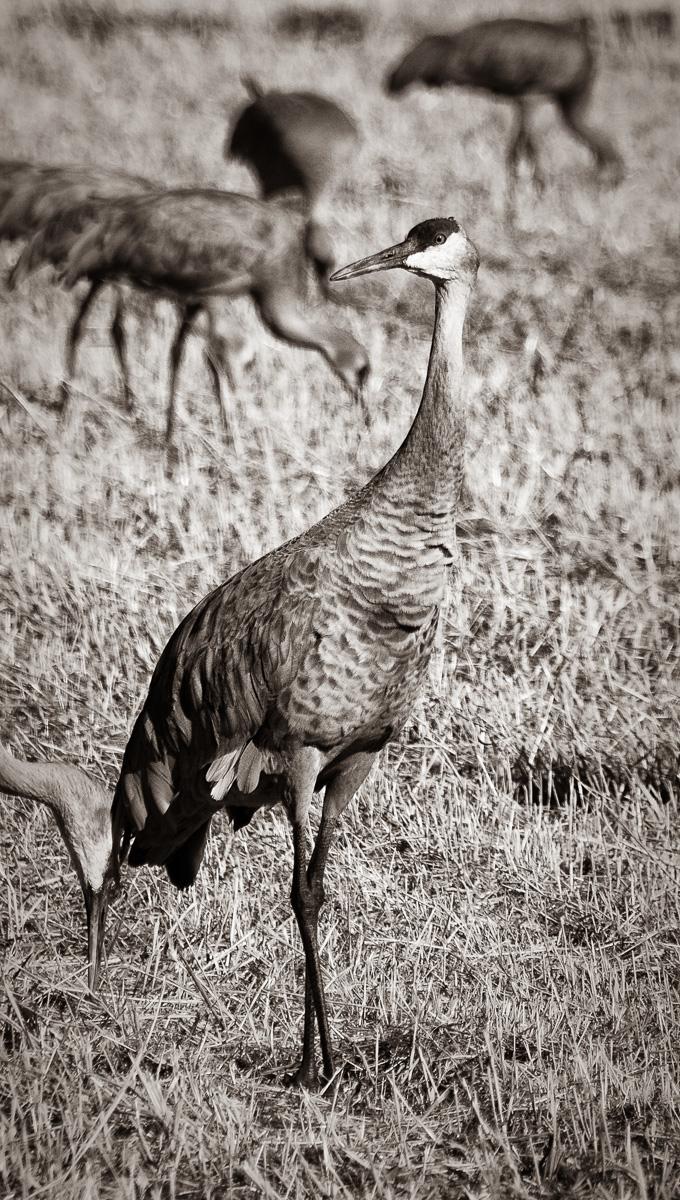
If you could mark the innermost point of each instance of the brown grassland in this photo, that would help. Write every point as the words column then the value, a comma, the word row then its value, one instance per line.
column 502, row 933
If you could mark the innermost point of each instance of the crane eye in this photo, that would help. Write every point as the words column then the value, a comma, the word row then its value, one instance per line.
column 440, row 238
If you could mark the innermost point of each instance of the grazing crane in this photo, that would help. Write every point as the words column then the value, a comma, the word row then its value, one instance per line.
column 193, row 246
column 32, row 196
column 82, row 809
column 290, row 677
column 518, row 59
column 296, row 140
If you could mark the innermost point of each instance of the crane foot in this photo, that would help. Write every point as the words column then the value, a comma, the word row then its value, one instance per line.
column 306, row 1077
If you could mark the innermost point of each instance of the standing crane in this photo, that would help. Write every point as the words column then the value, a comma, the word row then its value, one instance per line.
column 32, row 196
column 301, row 141
column 518, row 59
column 290, row 677
column 81, row 806
column 194, row 246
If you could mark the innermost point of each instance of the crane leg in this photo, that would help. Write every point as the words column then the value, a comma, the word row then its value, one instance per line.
column 521, row 146
column 572, row 107
column 187, row 318
column 72, row 338
column 120, row 347
column 217, row 359
column 307, row 896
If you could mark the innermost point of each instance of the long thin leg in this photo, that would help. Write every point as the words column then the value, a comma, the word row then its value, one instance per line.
column 120, row 347
column 72, row 339
column 573, row 108
column 217, row 359
column 521, row 146
column 307, row 897
column 187, row 317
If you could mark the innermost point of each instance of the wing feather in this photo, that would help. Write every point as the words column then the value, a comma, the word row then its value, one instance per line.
column 215, row 685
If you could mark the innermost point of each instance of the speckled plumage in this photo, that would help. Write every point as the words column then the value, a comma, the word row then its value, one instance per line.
column 293, row 674
column 194, row 245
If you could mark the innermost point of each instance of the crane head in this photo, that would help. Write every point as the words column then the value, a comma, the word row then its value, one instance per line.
column 431, row 62
column 439, row 249
column 85, row 823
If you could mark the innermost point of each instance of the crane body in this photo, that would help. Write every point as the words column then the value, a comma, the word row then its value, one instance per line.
column 195, row 246
column 518, row 59
column 63, row 199
column 297, row 141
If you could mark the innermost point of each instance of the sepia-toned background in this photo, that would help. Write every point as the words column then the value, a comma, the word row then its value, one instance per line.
column 501, row 935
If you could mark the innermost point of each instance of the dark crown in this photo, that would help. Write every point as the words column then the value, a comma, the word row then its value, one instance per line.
column 425, row 233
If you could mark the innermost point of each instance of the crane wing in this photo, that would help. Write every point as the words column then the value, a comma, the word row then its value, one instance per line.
column 215, row 684
column 191, row 241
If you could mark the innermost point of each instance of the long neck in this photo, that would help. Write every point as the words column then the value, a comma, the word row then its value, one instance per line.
column 66, row 789
column 39, row 781
column 404, row 533
column 81, row 807
column 428, row 466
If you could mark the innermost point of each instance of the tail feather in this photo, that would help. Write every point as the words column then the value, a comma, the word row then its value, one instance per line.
column 86, row 256
column 62, row 243
column 32, row 257
column 184, row 863
column 241, row 766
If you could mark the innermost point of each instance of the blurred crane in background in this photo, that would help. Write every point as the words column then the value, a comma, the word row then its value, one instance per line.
column 32, row 196
column 194, row 246
column 517, row 59
column 300, row 141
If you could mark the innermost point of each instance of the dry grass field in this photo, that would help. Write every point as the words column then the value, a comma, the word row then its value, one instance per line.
column 502, row 934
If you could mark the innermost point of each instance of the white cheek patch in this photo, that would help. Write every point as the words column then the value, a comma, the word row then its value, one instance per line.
column 440, row 262
column 431, row 261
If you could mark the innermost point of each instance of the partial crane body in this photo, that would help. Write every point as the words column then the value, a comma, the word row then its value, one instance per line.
column 297, row 141
column 33, row 197
column 196, row 246
column 81, row 807
column 659, row 22
column 289, row 678
column 518, row 59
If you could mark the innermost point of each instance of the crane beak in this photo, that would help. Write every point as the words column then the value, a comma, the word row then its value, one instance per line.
column 384, row 260
column 96, row 905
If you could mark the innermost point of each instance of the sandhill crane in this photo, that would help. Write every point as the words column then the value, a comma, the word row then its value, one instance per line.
column 290, row 677
column 82, row 809
column 297, row 140
column 518, row 59
column 32, row 196
column 194, row 245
